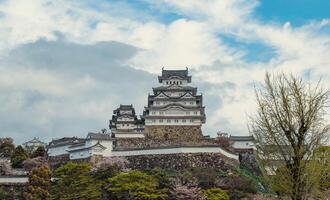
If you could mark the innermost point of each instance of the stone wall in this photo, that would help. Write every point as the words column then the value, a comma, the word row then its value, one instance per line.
column 56, row 161
column 181, row 161
column 176, row 133
column 167, row 136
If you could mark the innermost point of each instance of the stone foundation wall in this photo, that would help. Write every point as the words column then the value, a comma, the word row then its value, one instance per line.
column 177, row 133
column 181, row 161
column 145, row 143
column 56, row 161
column 167, row 136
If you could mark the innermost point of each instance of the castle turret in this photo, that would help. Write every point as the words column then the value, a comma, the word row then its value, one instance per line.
column 125, row 123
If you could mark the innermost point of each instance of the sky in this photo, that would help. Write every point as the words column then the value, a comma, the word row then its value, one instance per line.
column 66, row 65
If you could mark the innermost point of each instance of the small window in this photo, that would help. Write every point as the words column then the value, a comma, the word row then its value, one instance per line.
column 191, row 103
column 184, row 121
column 161, row 121
column 161, row 112
column 176, row 121
column 168, row 121
column 195, row 113
column 153, row 112
column 191, row 120
column 187, row 113
column 166, row 82
column 153, row 120
column 180, row 82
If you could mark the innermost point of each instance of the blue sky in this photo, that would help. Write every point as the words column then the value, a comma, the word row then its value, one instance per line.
column 298, row 12
column 65, row 65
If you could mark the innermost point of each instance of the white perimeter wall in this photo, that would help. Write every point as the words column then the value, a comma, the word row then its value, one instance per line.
column 243, row 144
column 129, row 135
column 175, row 151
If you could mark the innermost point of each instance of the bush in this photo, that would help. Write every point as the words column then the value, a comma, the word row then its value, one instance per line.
column 109, row 167
column 206, row 178
column 18, row 157
column 183, row 192
column 5, row 167
column 7, row 147
column 74, row 181
column 215, row 194
column 134, row 185
column 31, row 163
column 239, row 186
column 39, row 182
column 39, row 152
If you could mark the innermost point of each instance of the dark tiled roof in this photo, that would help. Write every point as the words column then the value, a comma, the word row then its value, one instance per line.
column 34, row 141
column 65, row 141
column 126, row 107
column 241, row 138
column 166, row 74
column 99, row 136
column 90, row 147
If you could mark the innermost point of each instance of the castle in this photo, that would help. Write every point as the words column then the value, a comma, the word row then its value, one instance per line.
column 170, row 124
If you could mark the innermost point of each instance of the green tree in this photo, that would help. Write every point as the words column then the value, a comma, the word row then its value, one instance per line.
column 7, row 147
column 18, row 157
column 74, row 181
column 320, row 163
column 135, row 185
column 39, row 183
column 216, row 194
column 288, row 126
column 39, row 152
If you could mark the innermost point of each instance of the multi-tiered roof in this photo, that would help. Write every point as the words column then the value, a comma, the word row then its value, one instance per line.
column 174, row 102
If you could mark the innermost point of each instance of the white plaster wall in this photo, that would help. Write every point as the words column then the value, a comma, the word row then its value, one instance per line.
column 129, row 135
column 176, row 151
column 85, row 153
column 109, row 146
column 243, row 144
column 56, row 151
column 195, row 122
column 13, row 179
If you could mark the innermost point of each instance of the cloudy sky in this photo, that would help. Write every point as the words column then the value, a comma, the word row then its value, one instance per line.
column 65, row 65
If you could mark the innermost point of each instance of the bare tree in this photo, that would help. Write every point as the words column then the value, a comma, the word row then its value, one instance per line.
column 288, row 126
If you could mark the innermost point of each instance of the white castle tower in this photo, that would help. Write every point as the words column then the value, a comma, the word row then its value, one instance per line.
column 125, row 123
column 174, row 101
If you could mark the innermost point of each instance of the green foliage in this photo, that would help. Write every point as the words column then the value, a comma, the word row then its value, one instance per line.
column 11, row 194
column 183, row 192
column 206, row 178
column 163, row 177
column 257, row 181
column 109, row 167
column 18, row 157
column 74, row 181
column 39, row 182
column 239, row 186
column 134, row 185
column 320, row 164
column 216, row 194
column 39, row 152
column 7, row 147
